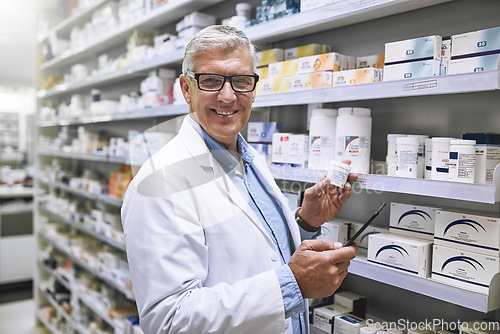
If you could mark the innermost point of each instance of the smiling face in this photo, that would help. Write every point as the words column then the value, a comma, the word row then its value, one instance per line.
column 221, row 114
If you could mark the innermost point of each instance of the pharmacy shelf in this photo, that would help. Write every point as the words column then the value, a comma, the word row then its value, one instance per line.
column 83, row 229
column 168, row 13
column 51, row 328
column 134, row 70
column 168, row 110
column 428, row 287
column 79, row 18
column 16, row 192
column 82, row 156
column 327, row 17
column 479, row 193
column 96, row 197
column 58, row 308
column 81, row 263
column 438, row 85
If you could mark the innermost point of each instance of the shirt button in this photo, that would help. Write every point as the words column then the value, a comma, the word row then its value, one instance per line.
column 231, row 166
column 274, row 257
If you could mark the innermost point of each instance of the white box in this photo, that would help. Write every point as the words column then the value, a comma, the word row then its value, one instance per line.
column 478, row 233
column 348, row 324
column 376, row 61
column 469, row 270
column 423, row 48
column 323, row 62
column 282, row 69
column 303, row 51
column 413, row 220
column 412, row 70
column 336, row 231
column 269, row 56
column 356, row 303
column 324, row 317
column 474, row 64
column 195, row 19
column 410, row 255
column 358, row 76
column 475, row 42
column 261, row 132
column 362, row 240
column 445, row 56
column 290, row 149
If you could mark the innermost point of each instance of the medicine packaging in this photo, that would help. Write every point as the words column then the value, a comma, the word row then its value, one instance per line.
column 269, row 56
column 472, row 232
column 353, row 301
column 411, row 70
column 314, row 80
column 487, row 155
column 290, row 149
column 305, row 51
column 376, row 61
column 261, row 132
column 362, row 240
column 416, row 49
column 474, row 64
column 468, row 270
column 474, row 42
column 335, row 230
column 322, row 62
column 413, row 220
column 357, row 76
column 282, row 69
column 407, row 254
column 324, row 317
column 348, row 324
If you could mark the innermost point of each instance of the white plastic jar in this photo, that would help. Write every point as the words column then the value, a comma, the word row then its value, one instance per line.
column 367, row 330
column 322, row 127
column 440, row 158
column 462, row 160
column 391, row 143
column 391, row 165
column 407, row 157
column 428, row 159
column 338, row 173
column 421, row 154
column 354, row 131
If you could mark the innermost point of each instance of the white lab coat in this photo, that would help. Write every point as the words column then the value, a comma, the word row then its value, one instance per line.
column 200, row 259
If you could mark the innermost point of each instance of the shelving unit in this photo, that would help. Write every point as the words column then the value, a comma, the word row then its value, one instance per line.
column 284, row 32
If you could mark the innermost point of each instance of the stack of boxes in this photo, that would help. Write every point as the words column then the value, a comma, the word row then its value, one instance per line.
column 260, row 137
column 190, row 25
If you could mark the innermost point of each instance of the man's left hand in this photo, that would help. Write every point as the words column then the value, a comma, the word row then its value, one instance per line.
column 323, row 200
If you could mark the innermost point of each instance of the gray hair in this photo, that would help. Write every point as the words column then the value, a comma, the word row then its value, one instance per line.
column 216, row 37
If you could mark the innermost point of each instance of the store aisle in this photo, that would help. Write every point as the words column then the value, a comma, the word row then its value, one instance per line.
column 19, row 318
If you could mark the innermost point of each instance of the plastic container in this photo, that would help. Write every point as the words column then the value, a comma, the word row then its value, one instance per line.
column 367, row 330
column 407, row 158
column 462, row 160
column 338, row 173
column 391, row 165
column 391, row 143
column 428, row 158
column 421, row 154
column 322, row 127
column 440, row 158
column 354, row 131
column 487, row 155
column 244, row 9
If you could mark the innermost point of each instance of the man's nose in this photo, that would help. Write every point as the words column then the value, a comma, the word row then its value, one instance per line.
column 226, row 94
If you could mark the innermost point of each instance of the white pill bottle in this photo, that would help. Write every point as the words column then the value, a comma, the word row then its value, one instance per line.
column 322, row 128
column 354, row 132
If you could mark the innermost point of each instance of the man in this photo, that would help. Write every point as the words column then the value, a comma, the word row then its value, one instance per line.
column 212, row 245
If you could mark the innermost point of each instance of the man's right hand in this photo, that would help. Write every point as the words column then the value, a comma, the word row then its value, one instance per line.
column 320, row 266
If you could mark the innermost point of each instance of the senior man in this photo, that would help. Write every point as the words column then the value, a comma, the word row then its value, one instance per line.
column 212, row 244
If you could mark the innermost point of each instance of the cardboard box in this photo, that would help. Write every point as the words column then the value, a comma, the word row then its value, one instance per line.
column 269, row 56
column 324, row 317
column 314, row 80
column 486, row 40
column 290, row 149
column 423, row 48
column 348, row 324
column 415, row 221
column 263, row 72
column 410, row 255
column 359, row 76
column 362, row 240
column 376, row 61
column 468, row 270
column 412, row 70
column 322, row 62
column 261, row 132
column 356, row 303
column 469, row 232
column 303, row 51
column 336, row 231
column 282, row 69
column 474, row 64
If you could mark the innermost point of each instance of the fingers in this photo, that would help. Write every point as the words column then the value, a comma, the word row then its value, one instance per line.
column 343, row 254
column 320, row 245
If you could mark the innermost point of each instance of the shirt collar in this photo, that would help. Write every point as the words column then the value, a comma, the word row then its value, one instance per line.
column 226, row 159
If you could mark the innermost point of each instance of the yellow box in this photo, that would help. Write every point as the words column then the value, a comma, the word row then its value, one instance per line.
column 263, row 72
column 323, row 62
column 283, row 69
column 359, row 76
column 304, row 51
column 280, row 85
column 269, row 56
column 313, row 80
column 376, row 61
column 264, row 87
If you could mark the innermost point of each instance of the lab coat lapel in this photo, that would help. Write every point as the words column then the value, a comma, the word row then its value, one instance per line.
column 198, row 149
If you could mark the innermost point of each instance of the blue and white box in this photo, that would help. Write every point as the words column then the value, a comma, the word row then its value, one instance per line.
column 262, row 132
column 411, row 70
column 410, row 255
column 477, row 233
column 348, row 324
column 469, row 43
column 469, row 270
column 415, row 221
column 423, row 48
column 474, row 64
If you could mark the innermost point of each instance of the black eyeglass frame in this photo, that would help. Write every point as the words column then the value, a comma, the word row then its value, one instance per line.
column 196, row 76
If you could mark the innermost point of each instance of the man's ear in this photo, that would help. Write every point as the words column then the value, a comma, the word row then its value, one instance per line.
column 185, row 88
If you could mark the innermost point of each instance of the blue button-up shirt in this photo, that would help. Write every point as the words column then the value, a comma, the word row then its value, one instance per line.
column 270, row 215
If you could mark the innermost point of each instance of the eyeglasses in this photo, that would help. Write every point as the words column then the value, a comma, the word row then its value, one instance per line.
column 211, row 82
